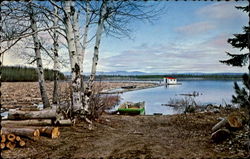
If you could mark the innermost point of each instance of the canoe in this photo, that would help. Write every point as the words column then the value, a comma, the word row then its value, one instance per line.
column 130, row 108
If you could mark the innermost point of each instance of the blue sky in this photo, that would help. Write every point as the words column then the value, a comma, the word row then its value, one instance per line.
column 189, row 37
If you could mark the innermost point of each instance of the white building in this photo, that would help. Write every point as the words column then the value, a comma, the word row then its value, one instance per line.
column 170, row 80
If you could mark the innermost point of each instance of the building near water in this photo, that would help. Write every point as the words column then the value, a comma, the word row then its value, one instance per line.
column 170, row 80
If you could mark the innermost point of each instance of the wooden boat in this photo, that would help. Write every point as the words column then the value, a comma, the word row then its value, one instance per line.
column 130, row 108
column 128, row 87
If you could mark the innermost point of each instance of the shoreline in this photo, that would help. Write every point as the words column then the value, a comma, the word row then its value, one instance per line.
column 122, row 90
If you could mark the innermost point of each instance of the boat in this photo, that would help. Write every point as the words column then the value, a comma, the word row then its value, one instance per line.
column 128, row 87
column 129, row 108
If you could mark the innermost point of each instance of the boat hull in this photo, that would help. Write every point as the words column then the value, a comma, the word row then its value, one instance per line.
column 132, row 111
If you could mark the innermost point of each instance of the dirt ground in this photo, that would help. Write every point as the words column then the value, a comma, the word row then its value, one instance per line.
column 119, row 136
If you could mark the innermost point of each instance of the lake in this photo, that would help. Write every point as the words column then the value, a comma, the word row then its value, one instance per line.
column 213, row 92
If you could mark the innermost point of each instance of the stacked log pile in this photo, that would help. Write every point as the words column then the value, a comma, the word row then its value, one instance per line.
column 10, row 141
column 28, row 125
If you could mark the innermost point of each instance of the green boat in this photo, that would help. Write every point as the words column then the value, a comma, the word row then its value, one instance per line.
column 129, row 108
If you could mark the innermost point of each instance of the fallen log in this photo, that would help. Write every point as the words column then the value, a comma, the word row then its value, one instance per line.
column 52, row 132
column 3, row 138
column 27, row 132
column 2, row 145
column 10, row 145
column 21, row 115
column 63, row 122
column 220, row 135
column 220, row 124
column 11, row 137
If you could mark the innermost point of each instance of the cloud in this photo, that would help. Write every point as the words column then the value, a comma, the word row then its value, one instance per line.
column 220, row 11
column 196, row 28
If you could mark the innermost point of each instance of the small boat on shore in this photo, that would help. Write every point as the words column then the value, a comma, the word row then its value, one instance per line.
column 128, row 87
column 130, row 108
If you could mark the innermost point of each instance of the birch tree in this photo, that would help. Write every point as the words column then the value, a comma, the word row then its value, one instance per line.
column 113, row 18
column 37, row 49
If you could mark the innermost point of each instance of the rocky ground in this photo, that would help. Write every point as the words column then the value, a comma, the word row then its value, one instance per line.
column 117, row 136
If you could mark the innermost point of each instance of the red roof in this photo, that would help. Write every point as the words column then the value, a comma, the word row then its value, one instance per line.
column 169, row 77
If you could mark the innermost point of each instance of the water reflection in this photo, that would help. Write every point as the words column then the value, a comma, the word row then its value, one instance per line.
column 213, row 92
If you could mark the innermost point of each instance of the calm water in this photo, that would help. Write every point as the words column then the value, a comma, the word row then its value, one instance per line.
column 213, row 92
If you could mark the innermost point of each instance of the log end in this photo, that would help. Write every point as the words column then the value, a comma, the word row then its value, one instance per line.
column 235, row 121
column 55, row 133
column 11, row 145
column 22, row 143
column 3, row 138
column 11, row 137
column 36, row 133
column 2, row 145
column 18, row 138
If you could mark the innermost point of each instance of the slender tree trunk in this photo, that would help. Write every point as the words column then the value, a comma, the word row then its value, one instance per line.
column 56, row 64
column 40, row 71
column 88, row 90
column 84, row 44
column 75, row 67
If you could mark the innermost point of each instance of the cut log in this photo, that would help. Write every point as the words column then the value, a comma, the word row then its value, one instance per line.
column 21, row 143
column 220, row 135
column 52, row 132
column 220, row 124
column 27, row 132
column 63, row 122
column 21, row 115
column 3, row 138
column 10, row 145
column 18, row 138
column 33, row 122
column 2, row 145
column 11, row 137
column 235, row 121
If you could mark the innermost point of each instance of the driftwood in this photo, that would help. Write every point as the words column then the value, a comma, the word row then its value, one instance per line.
column 220, row 124
column 27, row 132
column 21, row 115
column 220, row 135
column 52, row 132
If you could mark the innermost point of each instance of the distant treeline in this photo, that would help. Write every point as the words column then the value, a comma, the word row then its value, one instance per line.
column 178, row 76
column 25, row 74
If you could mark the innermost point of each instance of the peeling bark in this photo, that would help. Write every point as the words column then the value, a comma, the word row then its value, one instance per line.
column 37, row 49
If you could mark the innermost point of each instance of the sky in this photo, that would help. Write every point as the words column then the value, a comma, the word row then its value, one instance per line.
column 189, row 37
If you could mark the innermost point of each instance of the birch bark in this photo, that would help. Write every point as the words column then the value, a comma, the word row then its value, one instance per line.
column 75, row 67
column 88, row 90
column 37, row 49
column 56, row 63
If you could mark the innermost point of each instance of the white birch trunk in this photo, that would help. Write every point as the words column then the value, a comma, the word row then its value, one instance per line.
column 56, row 63
column 85, row 34
column 40, row 71
column 75, row 68
column 88, row 91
